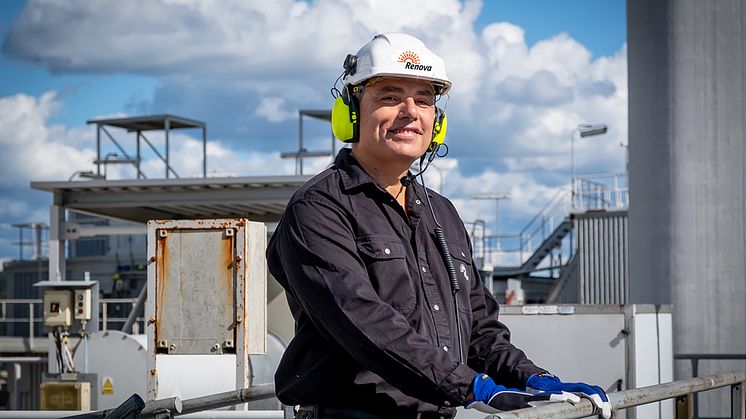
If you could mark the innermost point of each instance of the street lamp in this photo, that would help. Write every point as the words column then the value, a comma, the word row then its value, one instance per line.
column 585, row 130
column 86, row 174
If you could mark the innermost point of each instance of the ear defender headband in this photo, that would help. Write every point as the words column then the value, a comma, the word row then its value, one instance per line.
column 345, row 112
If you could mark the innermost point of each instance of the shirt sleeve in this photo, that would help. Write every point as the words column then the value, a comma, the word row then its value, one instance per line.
column 317, row 249
column 490, row 349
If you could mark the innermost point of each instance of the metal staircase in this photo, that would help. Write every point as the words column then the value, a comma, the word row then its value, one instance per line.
column 553, row 241
column 553, row 263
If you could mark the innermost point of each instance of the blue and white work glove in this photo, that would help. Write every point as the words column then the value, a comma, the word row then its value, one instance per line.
column 493, row 398
column 548, row 382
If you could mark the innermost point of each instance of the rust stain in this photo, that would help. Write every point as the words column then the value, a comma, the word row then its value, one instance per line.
column 162, row 259
column 225, row 269
column 152, row 371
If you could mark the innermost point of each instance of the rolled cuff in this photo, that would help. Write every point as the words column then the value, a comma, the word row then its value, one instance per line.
column 457, row 385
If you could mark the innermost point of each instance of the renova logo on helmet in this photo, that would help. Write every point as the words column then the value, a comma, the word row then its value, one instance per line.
column 412, row 61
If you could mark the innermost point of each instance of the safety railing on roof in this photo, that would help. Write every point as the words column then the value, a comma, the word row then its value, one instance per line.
column 600, row 191
column 589, row 192
column 113, row 314
column 694, row 360
column 515, row 249
column 682, row 391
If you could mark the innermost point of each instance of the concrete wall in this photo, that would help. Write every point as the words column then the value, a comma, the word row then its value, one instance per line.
column 687, row 149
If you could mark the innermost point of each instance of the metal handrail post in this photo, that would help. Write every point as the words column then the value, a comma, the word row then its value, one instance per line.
column 30, row 325
column 105, row 306
column 684, row 408
column 738, row 401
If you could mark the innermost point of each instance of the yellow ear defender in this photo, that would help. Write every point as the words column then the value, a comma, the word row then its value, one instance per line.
column 345, row 116
column 439, row 128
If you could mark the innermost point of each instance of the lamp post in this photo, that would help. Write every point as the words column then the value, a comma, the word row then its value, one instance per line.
column 585, row 130
column 497, row 197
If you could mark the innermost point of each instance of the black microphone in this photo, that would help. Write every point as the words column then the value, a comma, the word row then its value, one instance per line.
column 405, row 180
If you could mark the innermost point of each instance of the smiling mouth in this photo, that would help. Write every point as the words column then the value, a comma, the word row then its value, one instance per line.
column 405, row 130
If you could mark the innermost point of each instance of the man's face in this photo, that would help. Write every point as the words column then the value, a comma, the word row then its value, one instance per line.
column 396, row 120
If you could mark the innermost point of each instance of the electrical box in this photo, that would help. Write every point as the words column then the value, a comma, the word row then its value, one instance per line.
column 206, row 305
column 82, row 304
column 72, row 305
column 66, row 395
column 57, row 308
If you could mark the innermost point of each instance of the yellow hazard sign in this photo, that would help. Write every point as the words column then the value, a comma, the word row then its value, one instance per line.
column 107, row 385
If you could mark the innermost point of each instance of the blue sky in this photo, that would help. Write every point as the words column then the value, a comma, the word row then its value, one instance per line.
column 525, row 73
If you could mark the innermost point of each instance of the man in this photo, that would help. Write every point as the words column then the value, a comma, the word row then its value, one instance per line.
column 391, row 317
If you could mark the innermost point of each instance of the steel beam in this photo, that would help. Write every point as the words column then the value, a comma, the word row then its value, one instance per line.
column 56, row 243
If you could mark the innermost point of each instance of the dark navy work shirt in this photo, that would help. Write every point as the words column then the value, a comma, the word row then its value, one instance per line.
column 374, row 311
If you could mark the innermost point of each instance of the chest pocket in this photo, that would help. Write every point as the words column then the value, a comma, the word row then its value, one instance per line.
column 385, row 260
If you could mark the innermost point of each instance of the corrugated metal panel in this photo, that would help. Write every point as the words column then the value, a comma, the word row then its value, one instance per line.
column 602, row 273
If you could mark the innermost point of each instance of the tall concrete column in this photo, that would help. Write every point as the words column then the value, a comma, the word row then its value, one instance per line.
column 687, row 157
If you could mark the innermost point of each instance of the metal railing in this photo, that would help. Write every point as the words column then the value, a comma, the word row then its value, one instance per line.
column 588, row 192
column 515, row 249
column 134, row 407
column 694, row 359
column 33, row 318
column 600, row 191
column 682, row 391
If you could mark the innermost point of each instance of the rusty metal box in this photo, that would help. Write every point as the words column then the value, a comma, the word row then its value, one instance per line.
column 206, row 297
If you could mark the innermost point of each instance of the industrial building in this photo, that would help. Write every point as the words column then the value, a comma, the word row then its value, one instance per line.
column 654, row 269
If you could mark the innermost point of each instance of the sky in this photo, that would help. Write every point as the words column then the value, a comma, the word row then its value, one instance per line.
column 525, row 73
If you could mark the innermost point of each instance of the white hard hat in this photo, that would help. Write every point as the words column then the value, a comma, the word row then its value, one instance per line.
column 396, row 55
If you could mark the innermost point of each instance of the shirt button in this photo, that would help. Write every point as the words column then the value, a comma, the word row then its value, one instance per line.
column 417, row 201
column 436, row 307
column 462, row 254
column 424, row 269
column 387, row 251
column 445, row 348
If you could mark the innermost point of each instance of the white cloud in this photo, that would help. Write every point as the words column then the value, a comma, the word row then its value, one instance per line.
column 268, row 38
column 271, row 109
column 511, row 110
column 32, row 149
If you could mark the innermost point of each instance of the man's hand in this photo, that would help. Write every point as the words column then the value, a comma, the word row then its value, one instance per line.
column 547, row 382
column 492, row 398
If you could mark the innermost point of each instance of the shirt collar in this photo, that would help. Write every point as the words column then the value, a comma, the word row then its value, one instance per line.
column 350, row 171
column 353, row 175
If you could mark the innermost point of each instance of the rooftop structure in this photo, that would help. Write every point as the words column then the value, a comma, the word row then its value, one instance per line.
column 139, row 125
